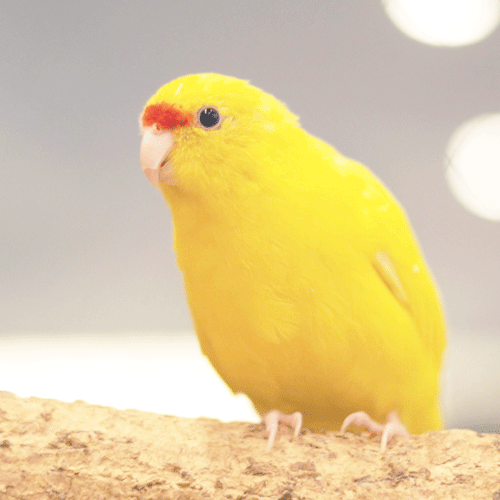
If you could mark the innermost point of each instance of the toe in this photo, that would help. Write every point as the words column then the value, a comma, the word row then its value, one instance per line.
column 393, row 428
column 362, row 419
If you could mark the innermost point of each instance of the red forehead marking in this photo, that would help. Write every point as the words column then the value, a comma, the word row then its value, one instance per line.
column 166, row 116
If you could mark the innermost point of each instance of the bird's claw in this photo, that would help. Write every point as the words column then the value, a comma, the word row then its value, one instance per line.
column 392, row 428
column 272, row 420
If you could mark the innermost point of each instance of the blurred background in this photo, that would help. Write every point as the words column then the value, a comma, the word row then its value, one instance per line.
column 91, row 301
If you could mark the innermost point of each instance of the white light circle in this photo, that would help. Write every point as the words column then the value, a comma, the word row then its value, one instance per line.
column 449, row 23
column 473, row 165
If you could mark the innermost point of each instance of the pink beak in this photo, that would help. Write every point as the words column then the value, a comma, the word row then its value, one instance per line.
column 156, row 147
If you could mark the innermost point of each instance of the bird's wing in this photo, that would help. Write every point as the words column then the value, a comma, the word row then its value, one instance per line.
column 400, row 266
column 387, row 240
column 388, row 274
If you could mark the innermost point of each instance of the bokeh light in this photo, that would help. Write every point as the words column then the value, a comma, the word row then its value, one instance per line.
column 473, row 165
column 449, row 23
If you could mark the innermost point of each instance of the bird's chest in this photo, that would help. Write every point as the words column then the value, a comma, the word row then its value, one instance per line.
column 234, row 276
column 241, row 291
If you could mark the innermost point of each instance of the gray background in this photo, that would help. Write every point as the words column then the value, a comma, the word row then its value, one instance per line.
column 85, row 241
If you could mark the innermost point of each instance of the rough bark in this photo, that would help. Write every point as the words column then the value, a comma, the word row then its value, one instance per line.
column 55, row 450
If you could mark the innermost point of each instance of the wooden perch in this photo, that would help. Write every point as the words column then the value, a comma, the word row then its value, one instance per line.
column 55, row 450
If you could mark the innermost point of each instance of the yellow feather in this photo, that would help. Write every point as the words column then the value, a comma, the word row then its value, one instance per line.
column 306, row 286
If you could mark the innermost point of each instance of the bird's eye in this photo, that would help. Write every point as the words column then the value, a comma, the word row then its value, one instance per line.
column 209, row 117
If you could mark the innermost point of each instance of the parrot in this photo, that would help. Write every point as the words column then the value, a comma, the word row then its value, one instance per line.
column 307, row 288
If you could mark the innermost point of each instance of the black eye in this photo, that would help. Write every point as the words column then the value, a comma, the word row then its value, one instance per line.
column 209, row 117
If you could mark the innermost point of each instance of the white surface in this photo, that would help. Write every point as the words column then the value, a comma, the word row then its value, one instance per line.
column 166, row 373
column 159, row 372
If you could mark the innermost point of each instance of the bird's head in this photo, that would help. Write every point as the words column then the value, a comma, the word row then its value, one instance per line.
column 209, row 132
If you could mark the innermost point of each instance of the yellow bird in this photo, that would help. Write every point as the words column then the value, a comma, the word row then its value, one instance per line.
column 306, row 286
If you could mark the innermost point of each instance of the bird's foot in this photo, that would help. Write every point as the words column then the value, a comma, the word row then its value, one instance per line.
column 392, row 428
column 272, row 420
